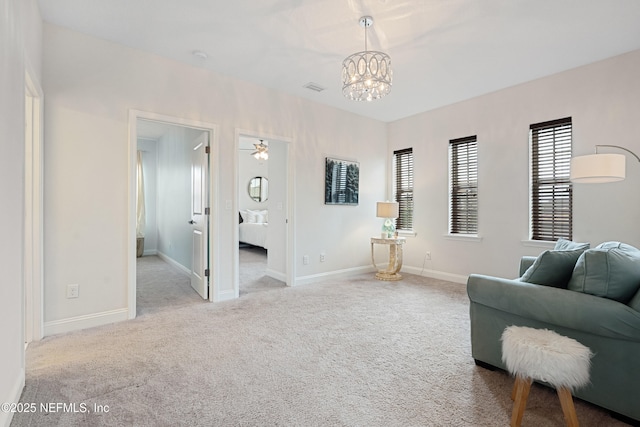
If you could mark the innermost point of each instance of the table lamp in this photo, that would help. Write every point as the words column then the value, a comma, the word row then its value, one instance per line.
column 389, row 211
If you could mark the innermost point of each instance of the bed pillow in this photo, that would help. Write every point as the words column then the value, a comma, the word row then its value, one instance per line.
column 552, row 268
column 611, row 270
column 256, row 217
column 240, row 220
column 568, row 245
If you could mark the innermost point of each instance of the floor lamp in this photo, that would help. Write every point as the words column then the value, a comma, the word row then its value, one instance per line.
column 598, row 167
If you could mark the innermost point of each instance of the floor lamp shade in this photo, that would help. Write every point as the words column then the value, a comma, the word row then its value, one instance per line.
column 598, row 168
column 387, row 209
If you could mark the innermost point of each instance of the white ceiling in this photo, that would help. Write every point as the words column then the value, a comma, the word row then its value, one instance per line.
column 442, row 51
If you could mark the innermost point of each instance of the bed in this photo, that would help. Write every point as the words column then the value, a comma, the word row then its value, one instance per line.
column 253, row 227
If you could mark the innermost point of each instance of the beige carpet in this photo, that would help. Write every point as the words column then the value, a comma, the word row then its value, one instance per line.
column 253, row 271
column 355, row 352
column 159, row 286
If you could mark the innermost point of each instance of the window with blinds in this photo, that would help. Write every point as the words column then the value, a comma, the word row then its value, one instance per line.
column 551, row 190
column 403, row 187
column 463, row 186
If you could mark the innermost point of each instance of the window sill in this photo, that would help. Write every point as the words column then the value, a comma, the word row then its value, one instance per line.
column 464, row 237
column 539, row 244
column 407, row 233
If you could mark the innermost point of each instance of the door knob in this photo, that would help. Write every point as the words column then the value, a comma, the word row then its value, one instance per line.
column 192, row 222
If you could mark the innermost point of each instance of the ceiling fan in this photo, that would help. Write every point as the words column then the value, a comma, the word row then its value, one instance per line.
column 262, row 151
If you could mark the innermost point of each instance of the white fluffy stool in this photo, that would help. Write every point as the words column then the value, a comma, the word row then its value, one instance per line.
column 543, row 355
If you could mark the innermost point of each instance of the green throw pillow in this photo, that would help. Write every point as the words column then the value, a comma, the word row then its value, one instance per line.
column 552, row 268
column 568, row 245
column 611, row 270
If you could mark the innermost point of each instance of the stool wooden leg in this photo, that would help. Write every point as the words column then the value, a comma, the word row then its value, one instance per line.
column 569, row 411
column 521, row 392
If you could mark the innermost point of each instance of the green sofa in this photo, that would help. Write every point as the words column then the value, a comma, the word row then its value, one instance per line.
column 610, row 328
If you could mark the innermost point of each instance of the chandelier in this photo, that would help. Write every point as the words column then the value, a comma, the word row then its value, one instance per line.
column 262, row 151
column 366, row 75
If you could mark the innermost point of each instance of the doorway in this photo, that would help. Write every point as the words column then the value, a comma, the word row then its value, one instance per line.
column 263, row 200
column 33, row 210
column 174, row 155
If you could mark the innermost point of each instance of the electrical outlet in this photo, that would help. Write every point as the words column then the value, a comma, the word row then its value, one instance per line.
column 323, row 257
column 305, row 259
column 428, row 256
column 72, row 291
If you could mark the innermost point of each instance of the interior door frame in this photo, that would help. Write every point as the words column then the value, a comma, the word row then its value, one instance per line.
column 290, row 212
column 33, row 267
column 213, row 130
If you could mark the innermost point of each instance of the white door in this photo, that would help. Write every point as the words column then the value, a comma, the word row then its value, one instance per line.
column 199, row 215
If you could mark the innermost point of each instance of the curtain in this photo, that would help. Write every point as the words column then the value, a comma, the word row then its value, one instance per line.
column 140, row 211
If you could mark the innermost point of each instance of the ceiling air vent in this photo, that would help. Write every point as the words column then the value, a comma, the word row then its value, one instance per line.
column 314, row 87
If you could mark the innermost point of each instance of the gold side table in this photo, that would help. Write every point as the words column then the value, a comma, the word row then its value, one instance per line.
column 391, row 273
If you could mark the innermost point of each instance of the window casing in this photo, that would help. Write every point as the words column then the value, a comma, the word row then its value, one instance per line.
column 551, row 189
column 403, row 187
column 463, row 186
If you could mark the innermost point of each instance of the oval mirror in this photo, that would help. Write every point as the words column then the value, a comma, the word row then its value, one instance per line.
column 259, row 188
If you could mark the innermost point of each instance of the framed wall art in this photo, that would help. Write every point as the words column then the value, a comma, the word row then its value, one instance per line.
column 341, row 182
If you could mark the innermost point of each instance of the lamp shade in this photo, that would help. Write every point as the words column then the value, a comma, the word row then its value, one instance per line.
column 387, row 209
column 597, row 168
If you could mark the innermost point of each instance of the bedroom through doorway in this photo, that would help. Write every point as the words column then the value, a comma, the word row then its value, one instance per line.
column 262, row 219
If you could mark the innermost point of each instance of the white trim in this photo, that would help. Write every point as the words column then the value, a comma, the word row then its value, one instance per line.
column 348, row 272
column 13, row 397
column 337, row 274
column 214, row 218
column 173, row 262
column 33, row 250
column 435, row 274
column 276, row 275
column 227, row 295
column 85, row 321
column 463, row 237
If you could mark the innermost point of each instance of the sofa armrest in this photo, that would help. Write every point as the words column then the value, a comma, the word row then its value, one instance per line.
column 525, row 263
column 570, row 309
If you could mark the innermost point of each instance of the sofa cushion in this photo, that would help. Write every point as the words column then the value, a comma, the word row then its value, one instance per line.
column 635, row 302
column 568, row 245
column 552, row 268
column 611, row 270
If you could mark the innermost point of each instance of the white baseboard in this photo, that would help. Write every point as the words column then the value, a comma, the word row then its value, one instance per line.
column 341, row 274
column 224, row 296
column 276, row 275
column 435, row 274
column 173, row 262
column 13, row 397
column 86, row 321
column 338, row 274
